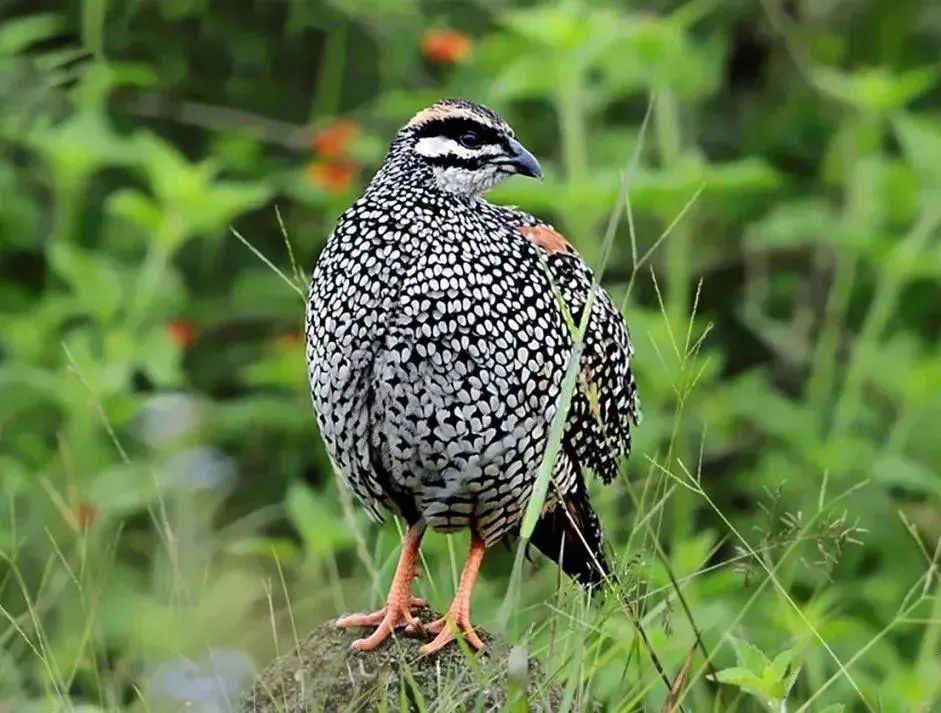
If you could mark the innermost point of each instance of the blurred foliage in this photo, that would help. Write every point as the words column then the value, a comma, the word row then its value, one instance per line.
column 166, row 502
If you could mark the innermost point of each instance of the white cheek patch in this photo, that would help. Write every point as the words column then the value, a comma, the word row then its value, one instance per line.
column 464, row 181
column 435, row 146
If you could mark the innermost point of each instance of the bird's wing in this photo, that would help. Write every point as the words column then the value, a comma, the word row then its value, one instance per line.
column 604, row 408
column 605, row 405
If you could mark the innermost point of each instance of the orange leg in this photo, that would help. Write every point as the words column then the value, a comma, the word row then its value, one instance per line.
column 458, row 616
column 398, row 609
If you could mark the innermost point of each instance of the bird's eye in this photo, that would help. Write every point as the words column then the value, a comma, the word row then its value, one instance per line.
column 470, row 140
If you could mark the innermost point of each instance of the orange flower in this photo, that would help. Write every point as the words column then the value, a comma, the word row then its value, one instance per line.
column 182, row 333
column 445, row 46
column 335, row 177
column 85, row 515
column 332, row 141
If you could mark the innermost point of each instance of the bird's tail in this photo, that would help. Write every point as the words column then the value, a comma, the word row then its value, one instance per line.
column 570, row 534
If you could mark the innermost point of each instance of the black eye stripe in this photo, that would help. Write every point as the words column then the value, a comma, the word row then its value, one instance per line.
column 455, row 127
column 450, row 160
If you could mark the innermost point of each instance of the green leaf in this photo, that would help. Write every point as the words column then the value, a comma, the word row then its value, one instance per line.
column 18, row 213
column 95, row 280
column 136, row 208
column 100, row 79
column 191, row 199
column 734, row 178
column 791, row 224
column 564, row 28
column 876, row 90
column 160, row 358
column 756, row 674
column 901, row 471
column 315, row 516
column 79, row 146
column 749, row 656
column 125, row 489
column 920, row 137
column 524, row 76
column 782, row 661
column 20, row 33
column 58, row 59
column 742, row 678
column 782, row 689
column 654, row 52
column 781, row 675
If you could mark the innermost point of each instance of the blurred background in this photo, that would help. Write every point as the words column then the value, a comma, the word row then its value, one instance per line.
column 168, row 517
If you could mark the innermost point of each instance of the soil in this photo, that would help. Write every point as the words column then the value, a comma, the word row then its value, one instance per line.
column 323, row 674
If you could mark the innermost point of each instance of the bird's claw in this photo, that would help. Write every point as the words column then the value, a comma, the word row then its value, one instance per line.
column 416, row 627
column 350, row 620
column 446, row 629
column 386, row 620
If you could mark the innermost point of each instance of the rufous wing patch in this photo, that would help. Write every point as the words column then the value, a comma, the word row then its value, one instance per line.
column 547, row 238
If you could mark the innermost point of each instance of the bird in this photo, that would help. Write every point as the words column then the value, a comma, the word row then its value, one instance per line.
column 437, row 338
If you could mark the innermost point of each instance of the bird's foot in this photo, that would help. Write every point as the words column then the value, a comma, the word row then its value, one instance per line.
column 396, row 613
column 458, row 617
column 446, row 629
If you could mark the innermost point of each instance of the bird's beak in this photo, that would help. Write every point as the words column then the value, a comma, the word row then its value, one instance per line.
column 522, row 161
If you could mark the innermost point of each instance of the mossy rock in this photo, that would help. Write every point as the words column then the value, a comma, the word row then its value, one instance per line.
column 325, row 675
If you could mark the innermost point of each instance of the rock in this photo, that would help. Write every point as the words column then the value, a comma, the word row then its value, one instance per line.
column 325, row 675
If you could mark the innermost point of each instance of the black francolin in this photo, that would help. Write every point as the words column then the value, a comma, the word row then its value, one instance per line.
column 436, row 349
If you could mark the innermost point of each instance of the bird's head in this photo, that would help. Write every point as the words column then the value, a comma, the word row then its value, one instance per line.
column 468, row 147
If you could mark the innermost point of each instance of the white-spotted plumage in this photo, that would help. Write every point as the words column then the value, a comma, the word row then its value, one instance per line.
column 436, row 348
